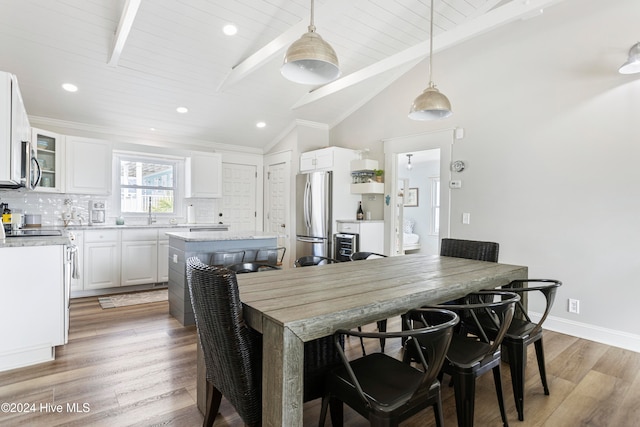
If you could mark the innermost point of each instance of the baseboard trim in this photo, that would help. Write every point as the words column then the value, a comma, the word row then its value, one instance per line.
column 591, row 332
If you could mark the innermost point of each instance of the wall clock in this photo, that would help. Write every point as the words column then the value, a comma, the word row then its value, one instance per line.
column 458, row 166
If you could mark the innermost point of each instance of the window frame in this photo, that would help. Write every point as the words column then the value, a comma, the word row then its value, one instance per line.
column 178, row 174
column 434, row 205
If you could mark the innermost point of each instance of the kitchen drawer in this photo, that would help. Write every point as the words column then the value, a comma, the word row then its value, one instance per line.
column 139, row 235
column 101, row 236
column 349, row 227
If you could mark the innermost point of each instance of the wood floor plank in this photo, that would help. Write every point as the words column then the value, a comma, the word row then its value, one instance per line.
column 137, row 366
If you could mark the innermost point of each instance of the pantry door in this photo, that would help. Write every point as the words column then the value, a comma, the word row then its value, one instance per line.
column 278, row 200
column 239, row 196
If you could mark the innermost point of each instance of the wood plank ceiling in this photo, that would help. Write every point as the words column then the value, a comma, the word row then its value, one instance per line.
column 176, row 55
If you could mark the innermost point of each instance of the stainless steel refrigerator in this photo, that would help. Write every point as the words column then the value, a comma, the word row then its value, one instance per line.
column 314, row 196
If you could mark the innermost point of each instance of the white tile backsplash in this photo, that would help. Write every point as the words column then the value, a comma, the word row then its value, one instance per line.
column 52, row 206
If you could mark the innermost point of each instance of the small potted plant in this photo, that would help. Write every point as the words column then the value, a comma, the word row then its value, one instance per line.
column 378, row 173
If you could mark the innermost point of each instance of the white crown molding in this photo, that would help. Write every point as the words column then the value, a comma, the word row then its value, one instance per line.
column 132, row 137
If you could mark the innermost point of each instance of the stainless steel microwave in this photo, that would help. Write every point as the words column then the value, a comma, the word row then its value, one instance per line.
column 19, row 167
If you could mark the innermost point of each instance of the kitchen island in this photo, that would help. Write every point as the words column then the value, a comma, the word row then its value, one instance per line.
column 34, row 299
column 186, row 244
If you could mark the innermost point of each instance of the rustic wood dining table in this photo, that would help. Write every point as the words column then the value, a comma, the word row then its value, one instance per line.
column 292, row 306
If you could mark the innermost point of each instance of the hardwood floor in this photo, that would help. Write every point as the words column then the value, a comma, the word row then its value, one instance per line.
column 136, row 366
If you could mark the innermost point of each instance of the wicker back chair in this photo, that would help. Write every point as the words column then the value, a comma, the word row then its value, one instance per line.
column 233, row 351
column 470, row 249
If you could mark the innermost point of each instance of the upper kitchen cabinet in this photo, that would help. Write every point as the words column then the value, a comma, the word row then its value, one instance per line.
column 88, row 166
column 325, row 158
column 50, row 153
column 317, row 160
column 203, row 175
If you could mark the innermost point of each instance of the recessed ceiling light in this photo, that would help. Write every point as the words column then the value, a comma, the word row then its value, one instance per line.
column 260, row 124
column 152, row 129
column 182, row 110
column 70, row 87
column 230, row 29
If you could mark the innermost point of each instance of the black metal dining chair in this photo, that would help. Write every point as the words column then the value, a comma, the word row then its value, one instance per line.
column 469, row 249
column 251, row 267
column 382, row 324
column 225, row 258
column 382, row 388
column 522, row 332
column 311, row 260
column 358, row 256
column 470, row 356
column 233, row 351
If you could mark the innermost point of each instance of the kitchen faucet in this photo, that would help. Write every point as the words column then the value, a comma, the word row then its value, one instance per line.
column 151, row 219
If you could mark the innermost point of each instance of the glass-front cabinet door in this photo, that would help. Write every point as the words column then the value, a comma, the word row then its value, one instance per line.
column 50, row 153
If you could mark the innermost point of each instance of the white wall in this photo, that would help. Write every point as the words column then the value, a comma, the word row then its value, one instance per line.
column 550, row 146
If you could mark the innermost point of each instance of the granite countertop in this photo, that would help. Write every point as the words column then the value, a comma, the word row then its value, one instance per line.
column 204, row 236
column 16, row 242
column 127, row 226
column 359, row 220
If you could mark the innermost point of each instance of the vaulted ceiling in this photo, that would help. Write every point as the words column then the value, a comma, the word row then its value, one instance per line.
column 176, row 54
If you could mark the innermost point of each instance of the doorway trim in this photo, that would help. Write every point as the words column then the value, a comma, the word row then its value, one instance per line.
column 442, row 139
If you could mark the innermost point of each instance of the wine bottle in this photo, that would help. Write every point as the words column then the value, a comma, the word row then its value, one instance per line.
column 360, row 213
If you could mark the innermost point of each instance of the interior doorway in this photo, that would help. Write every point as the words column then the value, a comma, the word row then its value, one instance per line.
column 410, row 190
column 419, row 210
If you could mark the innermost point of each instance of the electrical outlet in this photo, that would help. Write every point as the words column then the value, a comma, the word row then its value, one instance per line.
column 574, row 306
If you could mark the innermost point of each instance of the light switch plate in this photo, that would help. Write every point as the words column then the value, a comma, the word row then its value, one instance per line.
column 455, row 184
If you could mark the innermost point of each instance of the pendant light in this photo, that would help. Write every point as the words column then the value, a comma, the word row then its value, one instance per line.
column 310, row 59
column 430, row 104
column 632, row 66
column 409, row 165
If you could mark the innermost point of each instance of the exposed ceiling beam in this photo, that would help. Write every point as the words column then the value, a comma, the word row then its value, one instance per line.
column 509, row 12
column 129, row 13
column 263, row 55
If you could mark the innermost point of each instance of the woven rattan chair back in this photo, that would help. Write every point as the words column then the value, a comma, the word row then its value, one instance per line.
column 470, row 249
column 232, row 350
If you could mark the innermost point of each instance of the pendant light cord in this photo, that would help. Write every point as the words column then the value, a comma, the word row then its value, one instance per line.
column 430, row 46
column 312, row 27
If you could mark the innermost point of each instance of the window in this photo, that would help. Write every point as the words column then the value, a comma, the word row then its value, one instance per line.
column 434, row 184
column 147, row 184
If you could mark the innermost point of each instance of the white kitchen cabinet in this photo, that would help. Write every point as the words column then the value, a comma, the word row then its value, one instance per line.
column 139, row 264
column 32, row 304
column 371, row 234
column 203, row 175
column 317, row 159
column 87, row 166
column 101, row 264
column 163, row 255
column 49, row 148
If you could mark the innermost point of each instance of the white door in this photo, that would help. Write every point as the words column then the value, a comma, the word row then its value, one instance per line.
column 239, row 196
column 277, row 202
